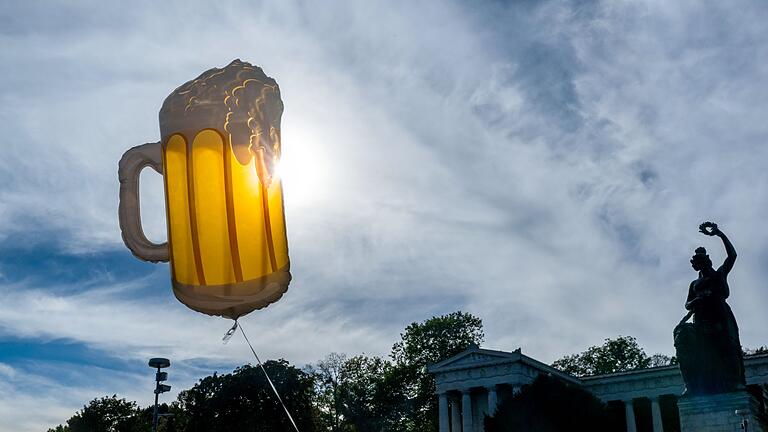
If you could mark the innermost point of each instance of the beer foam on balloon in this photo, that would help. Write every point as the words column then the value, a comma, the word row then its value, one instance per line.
column 240, row 101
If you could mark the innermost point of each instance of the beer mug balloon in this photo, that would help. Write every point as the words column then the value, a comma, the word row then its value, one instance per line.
column 220, row 142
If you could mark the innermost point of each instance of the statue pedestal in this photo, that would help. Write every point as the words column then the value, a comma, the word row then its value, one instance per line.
column 717, row 413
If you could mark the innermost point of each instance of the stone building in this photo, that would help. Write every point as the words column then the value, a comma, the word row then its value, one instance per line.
column 472, row 383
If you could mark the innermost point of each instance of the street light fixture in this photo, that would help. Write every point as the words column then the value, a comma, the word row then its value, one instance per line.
column 159, row 363
column 744, row 414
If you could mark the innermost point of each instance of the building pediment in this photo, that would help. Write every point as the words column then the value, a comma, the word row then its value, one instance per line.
column 477, row 367
column 475, row 358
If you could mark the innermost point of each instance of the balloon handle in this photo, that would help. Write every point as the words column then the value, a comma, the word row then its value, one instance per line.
column 228, row 335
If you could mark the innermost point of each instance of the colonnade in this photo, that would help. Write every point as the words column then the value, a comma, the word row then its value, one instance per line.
column 458, row 410
column 629, row 414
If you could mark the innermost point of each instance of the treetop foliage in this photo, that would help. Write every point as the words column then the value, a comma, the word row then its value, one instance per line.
column 243, row 400
column 437, row 339
column 108, row 414
column 615, row 355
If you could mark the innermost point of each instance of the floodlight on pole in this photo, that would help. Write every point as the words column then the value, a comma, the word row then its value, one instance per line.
column 159, row 363
column 744, row 414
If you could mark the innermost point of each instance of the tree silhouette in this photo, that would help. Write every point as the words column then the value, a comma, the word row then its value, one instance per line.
column 615, row 355
column 243, row 400
column 550, row 405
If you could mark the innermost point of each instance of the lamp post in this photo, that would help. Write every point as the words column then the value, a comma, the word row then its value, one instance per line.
column 159, row 363
column 744, row 421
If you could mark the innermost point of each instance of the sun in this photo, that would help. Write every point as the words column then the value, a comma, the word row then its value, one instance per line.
column 303, row 172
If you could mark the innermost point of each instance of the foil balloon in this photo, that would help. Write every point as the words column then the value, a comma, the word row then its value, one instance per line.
column 220, row 143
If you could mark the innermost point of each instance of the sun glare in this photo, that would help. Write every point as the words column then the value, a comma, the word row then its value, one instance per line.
column 303, row 172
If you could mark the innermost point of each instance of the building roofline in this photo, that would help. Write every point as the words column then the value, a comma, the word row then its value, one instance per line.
column 504, row 357
column 656, row 369
column 630, row 372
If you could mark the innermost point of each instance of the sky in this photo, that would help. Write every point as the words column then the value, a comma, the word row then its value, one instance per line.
column 543, row 165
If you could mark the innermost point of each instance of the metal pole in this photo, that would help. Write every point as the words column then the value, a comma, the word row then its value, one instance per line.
column 159, row 363
column 743, row 413
column 154, row 415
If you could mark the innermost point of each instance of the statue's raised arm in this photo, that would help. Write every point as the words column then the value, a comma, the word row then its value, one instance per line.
column 711, row 229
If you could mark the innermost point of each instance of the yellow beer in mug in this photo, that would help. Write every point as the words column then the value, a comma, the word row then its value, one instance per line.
column 220, row 141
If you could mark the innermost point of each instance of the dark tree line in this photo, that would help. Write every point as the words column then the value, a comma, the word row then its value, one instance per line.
column 614, row 355
column 338, row 394
column 550, row 405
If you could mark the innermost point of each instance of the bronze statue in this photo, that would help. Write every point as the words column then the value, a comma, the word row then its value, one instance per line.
column 708, row 350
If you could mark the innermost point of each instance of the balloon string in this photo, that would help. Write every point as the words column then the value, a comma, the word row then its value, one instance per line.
column 265, row 374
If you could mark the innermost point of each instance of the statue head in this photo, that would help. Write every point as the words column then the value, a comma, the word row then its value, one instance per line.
column 700, row 260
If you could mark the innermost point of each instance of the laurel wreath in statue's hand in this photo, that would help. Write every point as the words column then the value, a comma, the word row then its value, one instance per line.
column 709, row 228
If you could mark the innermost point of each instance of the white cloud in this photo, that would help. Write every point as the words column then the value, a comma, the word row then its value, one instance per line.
column 34, row 402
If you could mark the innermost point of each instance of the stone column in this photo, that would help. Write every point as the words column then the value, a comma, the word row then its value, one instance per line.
column 629, row 409
column 492, row 400
column 455, row 415
column 658, row 425
column 443, row 412
column 466, row 411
